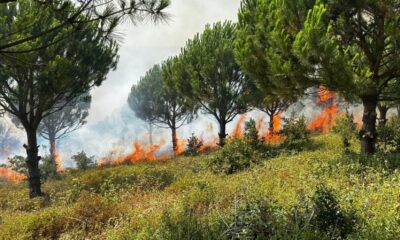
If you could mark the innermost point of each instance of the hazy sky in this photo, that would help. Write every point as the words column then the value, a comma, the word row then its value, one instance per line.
column 147, row 44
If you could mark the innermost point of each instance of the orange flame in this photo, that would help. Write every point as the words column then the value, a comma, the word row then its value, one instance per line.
column 59, row 161
column 238, row 130
column 139, row 153
column 324, row 122
column 324, row 95
column 259, row 126
column 209, row 145
column 272, row 134
column 358, row 120
column 11, row 175
column 181, row 146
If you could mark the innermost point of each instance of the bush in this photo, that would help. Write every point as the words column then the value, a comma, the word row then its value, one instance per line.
column 82, row 161
column 194, row 145
column 91, row 212
column 329, row 218
column 187, row 224
column 112, row 182
column 347, row 129
column 236, row 156
column 48, row 168
column 253, row 221
column 18, row 164
column 261, row 219
column 49, row 223
column 389, row 136
column 251, row 133
column 296, row 133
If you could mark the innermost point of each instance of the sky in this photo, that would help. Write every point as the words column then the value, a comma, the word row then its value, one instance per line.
column 147, row 44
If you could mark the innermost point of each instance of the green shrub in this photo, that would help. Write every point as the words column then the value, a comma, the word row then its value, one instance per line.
column 44, row 224
column 93, row 213
column 347, row 129
column 48, row 168
column 251, row 133
column 18, row 164
column 193, row 146
column 257, row 220
column 296, row 133
column 187, row 224
column 329, row 218
column 389, row 136
column 111, row 182
column 382, row 162
column 82, row 161
column 237, row 155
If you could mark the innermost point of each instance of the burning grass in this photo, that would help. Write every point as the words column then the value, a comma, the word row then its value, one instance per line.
column 11, row 175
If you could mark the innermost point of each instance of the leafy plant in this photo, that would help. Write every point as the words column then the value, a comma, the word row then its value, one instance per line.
column 329, row 217
column 347, row 129
column 253, row 221
column 48, row 168
column 295, row 132
column 236, row 156
column 251, row 133
column 82, row 161
column 194, row 145
column 187, row 224
column 18, row 164
column 389, row 136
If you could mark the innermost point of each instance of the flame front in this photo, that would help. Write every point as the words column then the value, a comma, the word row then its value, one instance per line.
column 273, row 134
column 324, row 122
column 238, row 130
column 11, row 175
column 181, row 146
column 59, row 161
column 139, row 153
column 259, row 126
column 209, row 145
column 358, row 120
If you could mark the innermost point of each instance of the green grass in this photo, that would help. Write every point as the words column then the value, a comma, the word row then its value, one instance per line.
column 181, row 197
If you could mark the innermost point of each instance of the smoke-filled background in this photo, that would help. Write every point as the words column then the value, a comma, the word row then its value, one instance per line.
column 112, row 126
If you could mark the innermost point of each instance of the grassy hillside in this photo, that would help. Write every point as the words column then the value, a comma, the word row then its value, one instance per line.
column 183, row 199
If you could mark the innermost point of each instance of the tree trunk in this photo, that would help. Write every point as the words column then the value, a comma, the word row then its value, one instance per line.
column 271, row 123
column 382, row 115
column 368, row 132
column 222, row 133
column 52, row 140
column 174, row 140
column 33, row 164
column 151, row 133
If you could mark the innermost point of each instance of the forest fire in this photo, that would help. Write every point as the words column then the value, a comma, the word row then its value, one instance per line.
column 324, row 122
column 139, row 153
column 181, row 146
column 59, row 161
column 238, row 130
column 273, row 133
column 358, row 120
column 209, row 145
column 259, row 126
column 11, row 175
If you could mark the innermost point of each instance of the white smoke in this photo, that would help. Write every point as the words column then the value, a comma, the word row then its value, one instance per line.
column 11, row 139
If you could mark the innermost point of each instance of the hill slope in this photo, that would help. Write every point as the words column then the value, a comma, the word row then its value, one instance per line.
column 182, row 199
